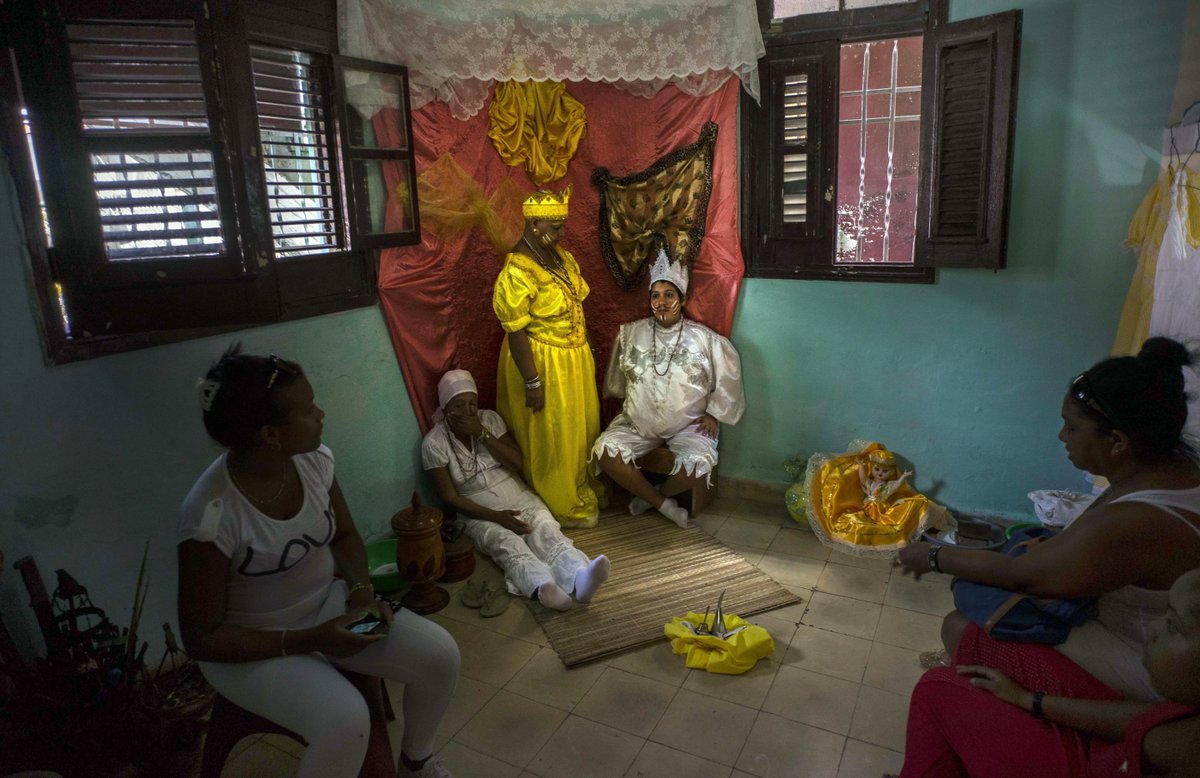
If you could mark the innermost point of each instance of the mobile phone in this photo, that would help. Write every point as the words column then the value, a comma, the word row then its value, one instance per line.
column 367, row 625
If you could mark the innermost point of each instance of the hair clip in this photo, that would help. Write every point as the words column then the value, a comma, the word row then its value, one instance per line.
column 208, row 389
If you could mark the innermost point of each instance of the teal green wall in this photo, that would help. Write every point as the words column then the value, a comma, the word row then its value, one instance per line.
column 122, row 435
column 964, row 377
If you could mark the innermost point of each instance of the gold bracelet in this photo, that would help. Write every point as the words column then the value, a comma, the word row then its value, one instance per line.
column 282, row 647
column 358, row 586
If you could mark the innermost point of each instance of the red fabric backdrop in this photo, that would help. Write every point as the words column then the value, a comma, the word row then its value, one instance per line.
column 437, row 296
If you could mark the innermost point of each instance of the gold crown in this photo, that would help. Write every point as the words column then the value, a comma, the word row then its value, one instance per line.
column 546, row 205
column 881, row 457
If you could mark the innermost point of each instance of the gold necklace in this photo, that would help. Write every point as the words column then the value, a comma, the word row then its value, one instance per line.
column 565, row 277
column 252, row 498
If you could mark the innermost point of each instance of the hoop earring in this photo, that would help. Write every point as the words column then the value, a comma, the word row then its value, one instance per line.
column 536, row 231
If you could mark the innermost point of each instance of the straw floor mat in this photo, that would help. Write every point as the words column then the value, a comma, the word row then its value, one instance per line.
column 658, row 571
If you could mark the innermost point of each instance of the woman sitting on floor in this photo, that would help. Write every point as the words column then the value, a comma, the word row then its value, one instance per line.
column 680, row 380
column 1054, row 719
column 1122, row 419
column 474, row 464
column 261, row 536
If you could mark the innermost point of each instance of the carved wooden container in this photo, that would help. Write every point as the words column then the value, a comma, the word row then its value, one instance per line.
column 420, row 557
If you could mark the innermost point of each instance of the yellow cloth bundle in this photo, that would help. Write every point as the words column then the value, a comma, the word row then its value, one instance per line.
column 734, row 654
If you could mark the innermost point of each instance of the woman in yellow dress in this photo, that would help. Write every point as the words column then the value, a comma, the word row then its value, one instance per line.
column 546, row 379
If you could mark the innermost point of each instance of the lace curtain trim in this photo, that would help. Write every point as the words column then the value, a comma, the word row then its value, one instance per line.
column 456, row 49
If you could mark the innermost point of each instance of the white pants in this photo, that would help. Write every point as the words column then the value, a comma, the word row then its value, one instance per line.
column 528, row 561
column 695, row 453
column 306, row 694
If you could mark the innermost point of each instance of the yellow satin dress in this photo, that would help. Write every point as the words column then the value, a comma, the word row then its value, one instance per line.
column 556, row 441
column 843, row 517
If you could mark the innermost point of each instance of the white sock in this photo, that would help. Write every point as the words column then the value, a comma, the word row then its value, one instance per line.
column 638, row 506
column 589, row 579
column 673, row 511
column 550, row 595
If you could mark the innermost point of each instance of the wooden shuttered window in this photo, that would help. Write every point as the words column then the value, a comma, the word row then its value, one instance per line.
column 193, row 162
column 789, row 194
column 794, row 216
column 970, row 79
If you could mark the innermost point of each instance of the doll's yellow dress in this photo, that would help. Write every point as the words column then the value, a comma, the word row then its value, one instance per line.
column 555, row 441
column 833, row 502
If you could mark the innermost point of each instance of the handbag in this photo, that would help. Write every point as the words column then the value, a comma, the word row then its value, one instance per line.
column 1021, row 618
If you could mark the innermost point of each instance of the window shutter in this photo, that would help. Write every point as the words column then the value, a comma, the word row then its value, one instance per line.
column 791, row 186
column 380, row 166
column 970, row 88
column 133, row 164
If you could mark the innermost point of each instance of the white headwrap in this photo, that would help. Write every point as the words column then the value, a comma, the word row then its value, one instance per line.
column 454, row 383
column 666, row 270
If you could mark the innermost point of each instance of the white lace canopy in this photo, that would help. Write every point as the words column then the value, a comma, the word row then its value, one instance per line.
column 456, row 49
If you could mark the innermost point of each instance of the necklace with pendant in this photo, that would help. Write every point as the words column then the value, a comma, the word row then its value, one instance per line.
column 257, row 500
column 565, row 277
column 654, row 348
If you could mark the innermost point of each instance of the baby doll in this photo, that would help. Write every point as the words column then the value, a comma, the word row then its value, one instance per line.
column 879, row 483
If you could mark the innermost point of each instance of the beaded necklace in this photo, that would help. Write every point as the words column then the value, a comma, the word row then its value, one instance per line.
column 654, row 348
column 565, row 277
column 470, row 468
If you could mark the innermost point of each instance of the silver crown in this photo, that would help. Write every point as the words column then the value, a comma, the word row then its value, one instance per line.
column 666, row 270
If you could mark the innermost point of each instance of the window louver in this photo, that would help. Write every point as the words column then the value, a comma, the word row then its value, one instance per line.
column 795, row 145
column 142, row 106
column 293, row 127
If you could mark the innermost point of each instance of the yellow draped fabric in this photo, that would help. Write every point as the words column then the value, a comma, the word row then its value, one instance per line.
column 844, row 517
column 732, row 655
column 555, row 441
column 1146, row 235
column 536, row 124
column 453, row 202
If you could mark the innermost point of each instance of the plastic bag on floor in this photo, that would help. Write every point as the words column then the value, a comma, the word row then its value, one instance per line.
column 1059, row 507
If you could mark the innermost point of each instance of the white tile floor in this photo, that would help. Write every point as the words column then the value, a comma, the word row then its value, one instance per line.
column 831, row 701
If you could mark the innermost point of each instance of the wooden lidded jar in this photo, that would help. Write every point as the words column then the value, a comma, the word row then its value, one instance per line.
column 420, row 557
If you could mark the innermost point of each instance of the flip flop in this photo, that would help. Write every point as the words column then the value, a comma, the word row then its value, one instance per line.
column 474, row 593
column 495, row 602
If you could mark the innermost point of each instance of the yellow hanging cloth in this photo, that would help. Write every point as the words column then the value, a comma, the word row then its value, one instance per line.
column 537, row 124
column 732, row 655
column 453, row 202
column 1146, row 235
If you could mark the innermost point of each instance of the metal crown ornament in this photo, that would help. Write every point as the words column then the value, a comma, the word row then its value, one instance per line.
column 666, row 270
column 546, row 205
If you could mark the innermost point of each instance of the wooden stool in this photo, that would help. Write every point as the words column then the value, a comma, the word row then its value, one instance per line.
column 229, row 724
column 661, row 462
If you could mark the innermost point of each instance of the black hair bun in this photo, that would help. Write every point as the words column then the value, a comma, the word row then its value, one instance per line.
column 1164, row 354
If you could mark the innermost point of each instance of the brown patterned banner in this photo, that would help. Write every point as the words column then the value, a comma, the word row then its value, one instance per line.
column 665, row 204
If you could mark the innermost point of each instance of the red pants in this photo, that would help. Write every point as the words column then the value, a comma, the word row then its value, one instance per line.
column 955, row 729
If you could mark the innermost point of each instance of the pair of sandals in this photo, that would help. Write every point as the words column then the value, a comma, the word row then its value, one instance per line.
column 482, row 595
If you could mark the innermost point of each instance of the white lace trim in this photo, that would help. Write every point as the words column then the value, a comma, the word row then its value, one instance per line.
column 456, row 49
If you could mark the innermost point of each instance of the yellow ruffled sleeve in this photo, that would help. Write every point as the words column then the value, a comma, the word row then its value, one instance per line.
column 513, row 296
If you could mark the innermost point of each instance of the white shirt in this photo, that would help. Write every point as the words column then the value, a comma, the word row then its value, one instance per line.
column 280, row 570
column 472, row 468
column 671, row 376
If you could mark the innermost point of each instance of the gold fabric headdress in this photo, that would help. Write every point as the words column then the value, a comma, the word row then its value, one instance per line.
column 546, row 205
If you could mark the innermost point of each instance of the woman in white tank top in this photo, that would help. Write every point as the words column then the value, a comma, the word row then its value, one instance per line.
column 1123, row 420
